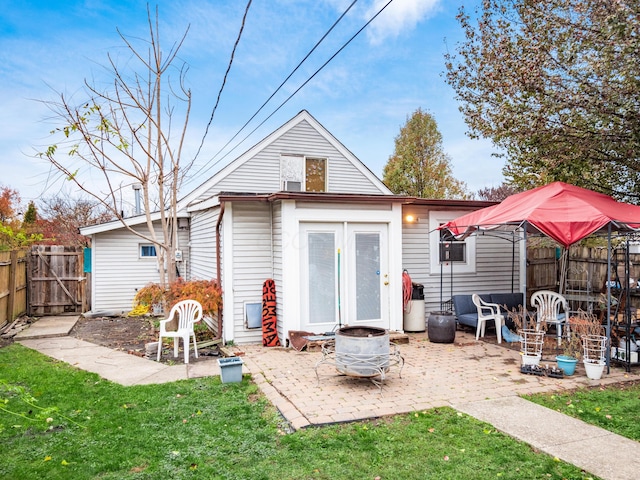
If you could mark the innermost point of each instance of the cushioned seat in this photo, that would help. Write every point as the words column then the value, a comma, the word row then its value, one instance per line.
column 467, row 313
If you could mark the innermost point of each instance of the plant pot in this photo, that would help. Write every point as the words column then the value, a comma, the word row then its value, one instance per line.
column 531, row 346
column 441, row 327
column 567, row 364
column 531, row 359
column 230, row 369
column 594, row 370
column 594, row 347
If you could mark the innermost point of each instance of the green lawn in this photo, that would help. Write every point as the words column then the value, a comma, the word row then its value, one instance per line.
column 616, row 409
column 57, row 422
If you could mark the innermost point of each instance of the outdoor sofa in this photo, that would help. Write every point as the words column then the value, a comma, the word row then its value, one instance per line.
column 467, row 313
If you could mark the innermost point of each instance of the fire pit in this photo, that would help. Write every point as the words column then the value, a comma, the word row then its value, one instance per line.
column 364, row 352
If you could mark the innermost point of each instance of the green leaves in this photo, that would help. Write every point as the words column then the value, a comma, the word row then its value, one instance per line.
column 554, row 84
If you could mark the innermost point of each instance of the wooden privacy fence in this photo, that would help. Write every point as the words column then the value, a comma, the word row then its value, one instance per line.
column 584, row 273
column 13, row 285
column 57, row 282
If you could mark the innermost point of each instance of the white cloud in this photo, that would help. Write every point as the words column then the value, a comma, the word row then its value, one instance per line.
column 400, row 16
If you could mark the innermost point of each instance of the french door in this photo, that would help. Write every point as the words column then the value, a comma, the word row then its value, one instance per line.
column 344, row 275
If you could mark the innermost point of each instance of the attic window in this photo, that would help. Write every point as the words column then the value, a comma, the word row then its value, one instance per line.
column 316, row 174
column 300, row 173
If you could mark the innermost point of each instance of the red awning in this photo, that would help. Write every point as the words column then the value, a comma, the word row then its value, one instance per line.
column 563, row 212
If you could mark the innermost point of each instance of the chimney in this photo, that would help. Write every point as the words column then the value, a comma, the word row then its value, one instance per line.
column 136, row 189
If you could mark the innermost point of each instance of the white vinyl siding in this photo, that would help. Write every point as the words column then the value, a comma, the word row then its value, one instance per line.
column 252, row 263
column 261, row 173
column 118, row 270
column 278, row 276
column 493, row 264
column 203, row 244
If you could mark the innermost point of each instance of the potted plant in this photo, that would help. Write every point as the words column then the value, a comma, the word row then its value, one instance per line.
column 571, row 352
column 588, row 328
column 531, row 336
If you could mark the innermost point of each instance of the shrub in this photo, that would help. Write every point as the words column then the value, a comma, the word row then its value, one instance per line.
column 207, row 292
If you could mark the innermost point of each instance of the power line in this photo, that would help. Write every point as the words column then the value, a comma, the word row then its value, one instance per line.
column 210, row 166
column 224, row 80
column 286, row 79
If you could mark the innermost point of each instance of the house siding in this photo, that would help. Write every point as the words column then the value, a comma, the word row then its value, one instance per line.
column 261, row 174
column 278, row 277
column 118, row 270
column 203, row 244
column 494, row 265
column 252, row 263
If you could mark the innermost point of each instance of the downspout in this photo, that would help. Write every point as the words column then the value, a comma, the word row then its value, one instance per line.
column 218, row 263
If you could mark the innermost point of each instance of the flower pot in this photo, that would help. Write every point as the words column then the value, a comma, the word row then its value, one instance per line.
column 531, row 359
column 230, row 369
column 531, row 346
column 594, row 347
column 567, row 364
column 441, row 327
column 594, row 370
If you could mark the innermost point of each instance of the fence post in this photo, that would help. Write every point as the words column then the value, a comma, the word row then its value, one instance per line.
column 12, row 284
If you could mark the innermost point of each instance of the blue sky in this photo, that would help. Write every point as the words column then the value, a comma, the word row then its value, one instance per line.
column 363, row 96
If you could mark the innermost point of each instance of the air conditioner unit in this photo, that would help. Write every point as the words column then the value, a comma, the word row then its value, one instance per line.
column 290, row 186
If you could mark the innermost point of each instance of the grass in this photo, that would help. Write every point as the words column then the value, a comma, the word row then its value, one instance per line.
column 85, row 427
column 614, row 409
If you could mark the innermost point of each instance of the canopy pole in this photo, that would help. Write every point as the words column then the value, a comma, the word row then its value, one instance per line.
column 513, row 263
column 608, row 332
column 523, row 267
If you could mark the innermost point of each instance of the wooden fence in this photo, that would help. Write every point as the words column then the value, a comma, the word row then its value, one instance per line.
column 57, row 283
column 583, row 274
column 13, row 285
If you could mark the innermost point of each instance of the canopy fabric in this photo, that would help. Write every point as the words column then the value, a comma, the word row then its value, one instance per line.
column 563, row 212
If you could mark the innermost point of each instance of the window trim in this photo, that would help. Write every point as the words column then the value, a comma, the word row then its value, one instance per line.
column 142, row 246
column 293, row 168
column 437, row 218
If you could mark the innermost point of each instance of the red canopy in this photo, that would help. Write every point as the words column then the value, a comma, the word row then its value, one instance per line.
column 561, row 211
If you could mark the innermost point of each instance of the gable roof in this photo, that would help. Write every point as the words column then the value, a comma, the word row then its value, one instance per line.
column 272, row 137
column 184, row 203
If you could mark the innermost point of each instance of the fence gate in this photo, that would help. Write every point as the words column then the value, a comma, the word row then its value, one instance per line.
column 56, row 280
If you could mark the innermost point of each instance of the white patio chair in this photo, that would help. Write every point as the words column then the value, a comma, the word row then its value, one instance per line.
column 548, row 306
column 189, row 312
column 486, row 312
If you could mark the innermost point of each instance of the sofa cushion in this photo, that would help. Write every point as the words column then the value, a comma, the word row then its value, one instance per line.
column 508, row 302
column 466, row 310
column 467, row 313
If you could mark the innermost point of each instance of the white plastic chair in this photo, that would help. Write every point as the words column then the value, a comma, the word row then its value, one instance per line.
column 548, row 305
column 486, row 312
column 189, row 312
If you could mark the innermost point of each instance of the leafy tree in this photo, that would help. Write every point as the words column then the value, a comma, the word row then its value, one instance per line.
column 418, row 166
column 127, row 135
column 496, row 194
column 63, row 215
column 9, row 202
column 556, row 85
column 13, row 232
column 31, row 215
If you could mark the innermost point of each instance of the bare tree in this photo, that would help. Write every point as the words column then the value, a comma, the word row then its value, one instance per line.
column 124, row 133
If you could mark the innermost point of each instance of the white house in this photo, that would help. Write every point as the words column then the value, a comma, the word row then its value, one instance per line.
column 301, row 209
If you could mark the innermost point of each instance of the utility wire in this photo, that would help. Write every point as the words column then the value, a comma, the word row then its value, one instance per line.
column 285, row 80
column 298, row 89
column 224, row 80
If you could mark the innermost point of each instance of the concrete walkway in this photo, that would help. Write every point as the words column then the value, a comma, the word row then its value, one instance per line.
column 478, row 378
